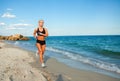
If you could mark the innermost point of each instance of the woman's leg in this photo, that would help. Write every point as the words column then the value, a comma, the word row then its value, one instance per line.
column 43, row 50
column 40, row 52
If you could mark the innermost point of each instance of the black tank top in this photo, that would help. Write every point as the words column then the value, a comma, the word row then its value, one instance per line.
column 38, row 31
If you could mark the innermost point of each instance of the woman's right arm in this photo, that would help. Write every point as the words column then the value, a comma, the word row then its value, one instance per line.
column 34, row 33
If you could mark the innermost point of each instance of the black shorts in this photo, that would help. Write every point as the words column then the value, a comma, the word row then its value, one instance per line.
column 41, row 42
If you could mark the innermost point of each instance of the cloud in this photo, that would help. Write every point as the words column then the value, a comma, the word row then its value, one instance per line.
column 19, row 26
column 8, row 15
column 13, row 28
column 2, row 24
column 10, row 9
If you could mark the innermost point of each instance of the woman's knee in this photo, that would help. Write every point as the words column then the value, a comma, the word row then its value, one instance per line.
column 43, row 48
column 40, row 51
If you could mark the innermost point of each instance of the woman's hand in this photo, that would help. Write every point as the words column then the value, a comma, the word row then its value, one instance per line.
column 42, row 34
column 46, row 33
column 35, row 37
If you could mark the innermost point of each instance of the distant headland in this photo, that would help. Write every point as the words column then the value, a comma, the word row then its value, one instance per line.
column 14, row 37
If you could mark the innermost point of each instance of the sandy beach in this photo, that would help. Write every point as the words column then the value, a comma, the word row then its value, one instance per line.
column 14, row 65
column 18, row 64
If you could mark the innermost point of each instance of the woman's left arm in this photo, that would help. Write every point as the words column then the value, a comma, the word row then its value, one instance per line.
column 46, row 33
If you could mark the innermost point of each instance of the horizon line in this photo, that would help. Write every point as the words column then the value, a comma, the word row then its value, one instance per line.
column 87, row 35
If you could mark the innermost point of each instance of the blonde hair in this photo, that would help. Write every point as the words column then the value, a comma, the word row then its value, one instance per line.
column 40, row 21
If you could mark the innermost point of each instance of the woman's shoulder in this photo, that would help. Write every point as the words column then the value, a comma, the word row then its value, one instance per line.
column 36, row 29
column 45, row 28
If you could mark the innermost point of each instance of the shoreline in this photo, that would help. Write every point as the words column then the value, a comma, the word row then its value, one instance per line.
column 57, row 71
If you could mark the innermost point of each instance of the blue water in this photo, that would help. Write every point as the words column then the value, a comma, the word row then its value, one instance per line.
column 95, row 53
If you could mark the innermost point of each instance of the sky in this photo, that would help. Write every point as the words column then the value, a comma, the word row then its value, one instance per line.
column 61, row 17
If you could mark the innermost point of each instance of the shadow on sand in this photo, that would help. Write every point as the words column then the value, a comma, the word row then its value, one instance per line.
column 46, row 59
column 60, row 78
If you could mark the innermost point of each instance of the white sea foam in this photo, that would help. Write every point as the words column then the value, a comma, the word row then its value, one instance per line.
column 16, row 43
column 91, row 61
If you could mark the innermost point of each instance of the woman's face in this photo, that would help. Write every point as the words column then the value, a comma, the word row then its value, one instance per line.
column 41, row 23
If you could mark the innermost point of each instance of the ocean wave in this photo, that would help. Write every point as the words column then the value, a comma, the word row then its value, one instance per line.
column 20, row 43
column 109, row 53
column 91, row 61
column 16, row 43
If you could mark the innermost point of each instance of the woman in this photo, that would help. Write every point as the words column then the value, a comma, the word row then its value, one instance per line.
column 40, row 40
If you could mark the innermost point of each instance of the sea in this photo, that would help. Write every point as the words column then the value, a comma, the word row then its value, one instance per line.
column 99, row 54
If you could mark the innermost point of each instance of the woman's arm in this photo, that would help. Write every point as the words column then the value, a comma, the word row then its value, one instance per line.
column 34, row 33
column 46, row 33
